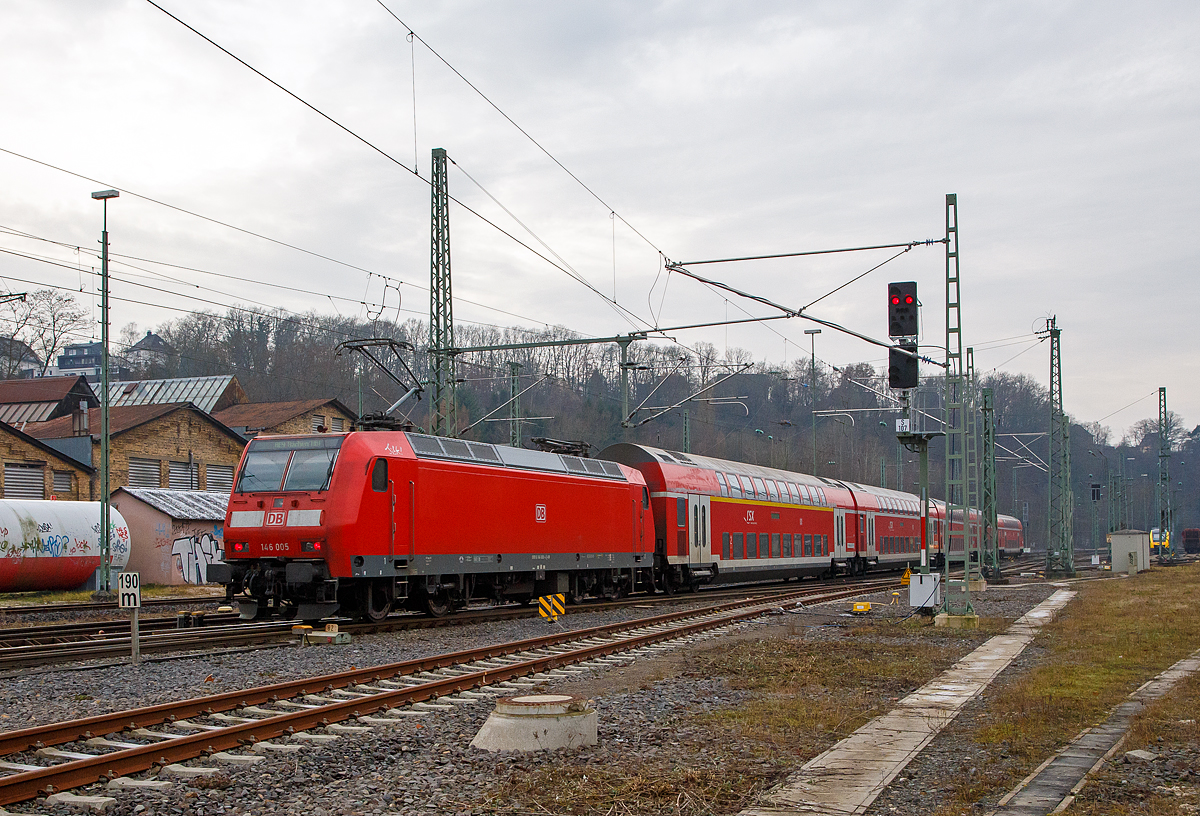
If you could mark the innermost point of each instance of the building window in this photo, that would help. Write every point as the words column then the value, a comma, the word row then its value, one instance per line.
column 62, row 482
column 219, row 478
column 23, row 481
column 318, row 422
column 181, row 477
column 145, row 472
column 337, row 424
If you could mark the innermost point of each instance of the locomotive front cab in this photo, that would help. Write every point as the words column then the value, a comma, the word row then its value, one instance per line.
column 276, row 529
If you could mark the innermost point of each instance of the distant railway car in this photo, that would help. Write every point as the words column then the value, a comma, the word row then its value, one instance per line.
column 718, row 521
column 1190, row 539
column 1010, row 536
column 365, row 521
column 55, row 545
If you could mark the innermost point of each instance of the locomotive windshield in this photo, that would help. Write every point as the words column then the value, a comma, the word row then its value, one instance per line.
column 289, row 464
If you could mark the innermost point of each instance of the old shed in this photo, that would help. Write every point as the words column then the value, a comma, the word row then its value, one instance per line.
column 174, row 534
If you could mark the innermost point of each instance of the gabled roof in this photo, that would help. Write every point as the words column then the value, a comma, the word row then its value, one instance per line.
column 206, row 393
column 183, row 505
column 121, row 419
column 259, row 415
column 42, row 446
column 44, row 398
column 16, row 349
column 151, row 342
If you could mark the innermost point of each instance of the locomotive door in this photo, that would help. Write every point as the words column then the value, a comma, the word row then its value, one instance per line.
column 699, row 540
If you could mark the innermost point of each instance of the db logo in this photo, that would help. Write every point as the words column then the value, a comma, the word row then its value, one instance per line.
column 539, row 513
column 275, row 518
column 749, row 516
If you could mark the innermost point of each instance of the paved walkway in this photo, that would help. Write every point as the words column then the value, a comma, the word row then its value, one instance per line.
column 848, row 777
column 1053, row 786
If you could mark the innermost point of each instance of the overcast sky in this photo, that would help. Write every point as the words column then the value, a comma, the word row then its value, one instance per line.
column 1068, row 130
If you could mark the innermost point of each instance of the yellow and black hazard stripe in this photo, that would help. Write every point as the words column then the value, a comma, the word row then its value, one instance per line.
column 551, row 606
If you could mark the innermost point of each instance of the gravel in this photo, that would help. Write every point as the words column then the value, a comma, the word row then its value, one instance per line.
column 425, row 766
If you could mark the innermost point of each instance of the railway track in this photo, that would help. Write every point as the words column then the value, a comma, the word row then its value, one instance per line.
column 61, row 643
column 106, row 747
column 106, row 606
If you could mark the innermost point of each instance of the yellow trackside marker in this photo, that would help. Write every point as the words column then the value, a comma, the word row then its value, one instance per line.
column 551, row 606
column 861, row 607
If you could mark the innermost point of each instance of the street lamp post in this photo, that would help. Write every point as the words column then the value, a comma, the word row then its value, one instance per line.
column 812, row 391
column 105, row 553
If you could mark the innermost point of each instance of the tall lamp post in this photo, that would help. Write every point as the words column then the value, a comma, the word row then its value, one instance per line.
column 812, row 391
column 105, row 554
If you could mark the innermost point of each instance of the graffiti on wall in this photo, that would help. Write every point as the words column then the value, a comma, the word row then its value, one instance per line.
column 193, row 554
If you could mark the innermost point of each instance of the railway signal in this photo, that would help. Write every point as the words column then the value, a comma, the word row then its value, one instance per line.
column 903, row 369
column 902, row 309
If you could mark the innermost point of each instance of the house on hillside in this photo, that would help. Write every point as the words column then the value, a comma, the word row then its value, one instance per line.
column 34, row 470
column 39, row 400
column 150, row 350
column 86, row 359
column 209, row 394
column 299, row 417
column 17, row 359
column 175, row 445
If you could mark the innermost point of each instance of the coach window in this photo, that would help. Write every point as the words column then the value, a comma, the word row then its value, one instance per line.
column 752, row 545
column 747, row 487
column 724, row 487
column 724, row 546
column 739, row 545
column 774, row 545
column 379, row 476
column 760, row 488
column 681, row 512
column 735, row 489
column 772, row 491
column 794, row 492
column 808, row 545
column 787, row 545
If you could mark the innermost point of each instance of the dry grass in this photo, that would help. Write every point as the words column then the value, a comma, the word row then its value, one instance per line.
column 805, row 696
column 1113, row 637
column 85, row 595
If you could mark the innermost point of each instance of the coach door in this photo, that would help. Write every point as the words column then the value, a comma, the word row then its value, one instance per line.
column 871, row 543
column 700, row 549
column 839, row 533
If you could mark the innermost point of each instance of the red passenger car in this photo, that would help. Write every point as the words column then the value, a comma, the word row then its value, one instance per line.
column 366, row 521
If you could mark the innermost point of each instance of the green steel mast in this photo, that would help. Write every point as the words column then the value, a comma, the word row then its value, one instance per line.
column 1060, row 546
column 1164, row 473
column 954, row 537
column 441, row 312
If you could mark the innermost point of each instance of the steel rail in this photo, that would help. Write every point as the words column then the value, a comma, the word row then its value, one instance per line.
column 70, row 731
column 76, row 773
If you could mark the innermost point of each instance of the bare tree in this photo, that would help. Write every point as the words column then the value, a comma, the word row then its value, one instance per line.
column 46, row 321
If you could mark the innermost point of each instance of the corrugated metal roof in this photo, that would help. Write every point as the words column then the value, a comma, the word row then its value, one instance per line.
column 203, row 392
column 185, row 505
column 18, row 412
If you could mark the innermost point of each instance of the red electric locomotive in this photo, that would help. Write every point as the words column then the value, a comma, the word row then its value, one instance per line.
column 367, row 521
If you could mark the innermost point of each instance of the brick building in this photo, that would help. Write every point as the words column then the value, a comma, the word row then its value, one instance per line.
column 34, row 470
column 44, row 398
column 173, row 445
column 298, row 417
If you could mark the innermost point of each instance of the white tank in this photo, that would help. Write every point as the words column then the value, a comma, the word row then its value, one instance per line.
column 55, row 544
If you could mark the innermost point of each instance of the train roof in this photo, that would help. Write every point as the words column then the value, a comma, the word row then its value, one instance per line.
column 425, row 446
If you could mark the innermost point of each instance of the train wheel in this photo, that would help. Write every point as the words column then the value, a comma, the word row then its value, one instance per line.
column 438, row 605
column 376, row 603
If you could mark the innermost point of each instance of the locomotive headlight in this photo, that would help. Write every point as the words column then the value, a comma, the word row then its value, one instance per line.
column 240, row 546
column 310, row 546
